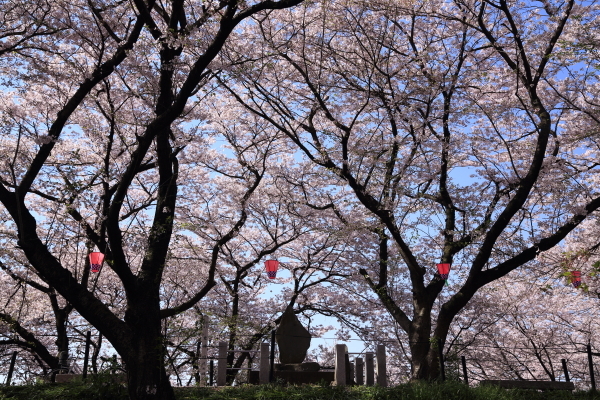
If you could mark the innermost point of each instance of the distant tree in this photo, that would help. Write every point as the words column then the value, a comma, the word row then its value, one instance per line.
column 34, row 318
column 521, row 326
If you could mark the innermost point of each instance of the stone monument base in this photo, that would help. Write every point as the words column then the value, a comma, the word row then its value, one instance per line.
column 297, row 377
column 302, row 367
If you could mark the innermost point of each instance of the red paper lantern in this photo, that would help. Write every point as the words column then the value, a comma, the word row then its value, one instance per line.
column 444, row 270
column 576, row 278
column 96, row 259
column 271, row 267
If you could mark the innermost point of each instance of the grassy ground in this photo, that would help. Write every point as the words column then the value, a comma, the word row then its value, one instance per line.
column 102, row 389
column 421, row 391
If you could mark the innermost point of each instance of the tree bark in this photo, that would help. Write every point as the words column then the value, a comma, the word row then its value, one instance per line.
column 420, row 346
column 145, row 360
column 146, row 375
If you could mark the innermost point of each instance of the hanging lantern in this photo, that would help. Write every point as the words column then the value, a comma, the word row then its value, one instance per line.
column 444, row 271
column 96, row 259
column 271, row 267
column 576, row 278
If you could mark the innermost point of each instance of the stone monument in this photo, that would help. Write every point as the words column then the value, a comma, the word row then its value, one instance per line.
column 293, row 341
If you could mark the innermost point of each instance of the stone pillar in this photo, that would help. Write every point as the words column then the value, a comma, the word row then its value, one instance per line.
column 381, row 367
column 340, row 364
column 370, row 369
column 359, row 371
column 265, row 365
column 222, row 366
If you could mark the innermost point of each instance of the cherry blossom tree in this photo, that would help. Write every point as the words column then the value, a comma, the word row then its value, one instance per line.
column 27, row 28
column 244, row 308
column 362, row 142
column 25, row 320
column 523, row 325
column 35, row 318
column 97, row 127
column 437, row 118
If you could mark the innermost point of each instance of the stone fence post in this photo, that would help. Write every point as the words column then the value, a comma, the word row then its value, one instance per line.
column 359, row 371
column 222, row 366
column 340, row 375
column 265, row 364
column 370, row 368
column 381, row 366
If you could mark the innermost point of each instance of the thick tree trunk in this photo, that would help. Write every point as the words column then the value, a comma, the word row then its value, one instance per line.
column 146, row 375
column 425, row 363
column 145, row 360
column 420, row 345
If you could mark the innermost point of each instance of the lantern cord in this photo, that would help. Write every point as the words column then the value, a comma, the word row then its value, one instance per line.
column 24, row 295
column 24, row 286
column 77, row 252
column 54, row 217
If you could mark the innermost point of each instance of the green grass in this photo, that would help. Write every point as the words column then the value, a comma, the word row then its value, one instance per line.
column 413, row 391
column 99, row 389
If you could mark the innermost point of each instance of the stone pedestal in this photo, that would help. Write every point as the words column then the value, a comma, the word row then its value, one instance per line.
column 302, row 367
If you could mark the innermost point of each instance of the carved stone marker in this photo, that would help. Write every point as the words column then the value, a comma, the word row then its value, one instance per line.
column 292, row 338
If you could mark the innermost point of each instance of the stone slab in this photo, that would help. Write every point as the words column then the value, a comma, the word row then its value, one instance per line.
column 303, row 367
column 297, row 378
